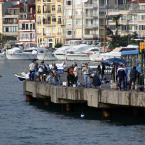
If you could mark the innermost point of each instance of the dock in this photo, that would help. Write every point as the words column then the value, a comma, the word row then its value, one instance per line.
column 97, row 98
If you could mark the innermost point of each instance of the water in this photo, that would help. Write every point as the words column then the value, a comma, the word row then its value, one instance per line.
column 23, row 124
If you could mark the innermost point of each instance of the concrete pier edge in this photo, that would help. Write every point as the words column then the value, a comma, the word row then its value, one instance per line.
column 97, row 98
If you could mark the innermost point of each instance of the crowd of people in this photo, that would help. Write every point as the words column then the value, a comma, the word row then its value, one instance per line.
column 84, row 75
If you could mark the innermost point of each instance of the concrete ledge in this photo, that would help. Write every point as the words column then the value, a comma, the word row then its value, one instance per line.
column 93, row 97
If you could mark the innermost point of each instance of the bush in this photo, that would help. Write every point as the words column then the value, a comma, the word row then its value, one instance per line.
column 58, row 45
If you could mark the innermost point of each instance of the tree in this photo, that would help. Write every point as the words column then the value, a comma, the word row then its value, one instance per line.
column 123, row 40
column 58, row 45
column 116, row 19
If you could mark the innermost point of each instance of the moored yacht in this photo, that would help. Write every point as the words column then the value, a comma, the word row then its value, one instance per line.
column 119, row 52
column 82, row 52
column 60, row 53
column 24, row 54
column 45, row 54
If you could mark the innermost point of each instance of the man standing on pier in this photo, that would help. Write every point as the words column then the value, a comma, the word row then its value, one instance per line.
column 121, row 75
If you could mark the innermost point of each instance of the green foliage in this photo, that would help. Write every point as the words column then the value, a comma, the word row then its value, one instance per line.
column 58, row 45
column 122, row 40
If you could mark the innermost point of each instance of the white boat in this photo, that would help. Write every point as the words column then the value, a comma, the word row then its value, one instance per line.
column 24, row 54
column 22, row 76
column 119, row 52
column 60, row 53
column 81, row 52
column 2, row 55
column 45, row 54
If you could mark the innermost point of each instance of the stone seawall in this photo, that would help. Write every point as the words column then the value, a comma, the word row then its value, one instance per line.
column 93, row 97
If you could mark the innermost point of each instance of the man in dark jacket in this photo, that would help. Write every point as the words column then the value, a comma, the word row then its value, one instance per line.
column 96, row 82
column 121, row 75
column 133, row 77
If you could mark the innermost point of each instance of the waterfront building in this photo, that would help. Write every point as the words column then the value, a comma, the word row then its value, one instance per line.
column 26, row 31
column 17, row 20
column 84, row 20
column 132, row 18
column 49, row 22
column 10, row 16
column 1, row 16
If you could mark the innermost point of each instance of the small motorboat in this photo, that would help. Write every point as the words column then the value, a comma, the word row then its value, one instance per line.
column 22, row 76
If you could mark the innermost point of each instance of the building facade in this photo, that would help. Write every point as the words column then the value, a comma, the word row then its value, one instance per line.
column 49, row 22
column 84, row 20
column 11, row 12
column 132, row 17
column 27, row 31
column 17, row 21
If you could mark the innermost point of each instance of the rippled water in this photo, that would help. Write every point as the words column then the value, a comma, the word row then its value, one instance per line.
column 22, row 124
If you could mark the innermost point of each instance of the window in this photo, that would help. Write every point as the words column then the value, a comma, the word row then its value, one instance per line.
column 49, row 20
column 68, row 2
column 59, row 9
column 69, row 32
column 31, row 27
column 39, row 9
column 53, row 19
column 46, row 9
column 23, row 26
column 141, row 27
column 27, row 27
column 53, row 7
column 59, row 20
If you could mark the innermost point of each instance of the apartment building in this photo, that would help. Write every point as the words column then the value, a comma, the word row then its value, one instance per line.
column 84, row 20
column 1, row 16
column 132, row 17
column 10, row 16
column 49, row 22
column 17, row 20
column 26, row 22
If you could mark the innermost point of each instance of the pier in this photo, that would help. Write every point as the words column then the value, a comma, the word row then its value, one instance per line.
column 97, row 98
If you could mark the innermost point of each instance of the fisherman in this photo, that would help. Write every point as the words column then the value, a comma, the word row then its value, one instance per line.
column 86, row 75
column 32, row 67
column 96, row 82
column 133, row 77
column 70, row 76
column 121, row 75
column 42, row 70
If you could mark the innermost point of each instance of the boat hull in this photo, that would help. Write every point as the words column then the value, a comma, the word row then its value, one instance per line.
column 21, row 56
column 47, row 56
column 60, row 56
column 78, row 57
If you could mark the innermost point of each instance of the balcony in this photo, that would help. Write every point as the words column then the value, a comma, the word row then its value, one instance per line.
column 88, row 6
column 10, row 22
column 89, row 15
column 89, row 36
column 47, row 11
column 11, row 16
